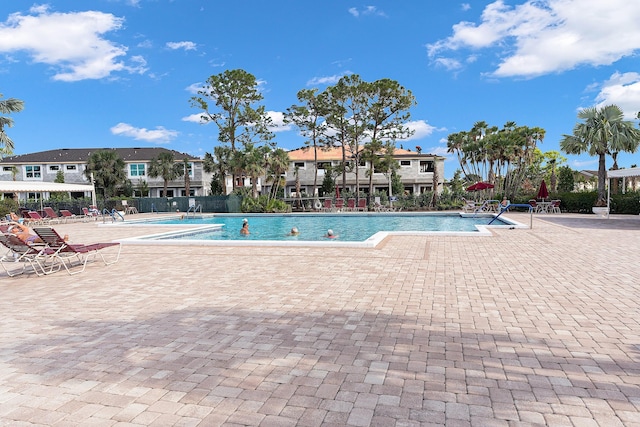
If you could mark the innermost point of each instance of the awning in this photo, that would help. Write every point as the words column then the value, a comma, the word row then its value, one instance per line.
column 622, row 173
column 43, row 187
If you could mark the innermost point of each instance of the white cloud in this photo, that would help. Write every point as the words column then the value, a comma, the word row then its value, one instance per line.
column 421, row 129
column 622, row 90
column 326, row 80
column 465, row 6
column 545, row 36
column 450, row 64
column 194, row 118
column 367, row 10
column 159, row 135
column 277, row 120
column 182, row 45
column 72, row 43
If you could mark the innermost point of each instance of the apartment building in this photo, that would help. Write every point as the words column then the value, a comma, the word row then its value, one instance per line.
column 44, row 166
column 415, row 170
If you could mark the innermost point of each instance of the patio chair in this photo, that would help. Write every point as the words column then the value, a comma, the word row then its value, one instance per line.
column 555, row 206
column 90, row 214
column 24, row 255
column 339, row 204
column 362, row 205
column 351, row 205
column 67, row 215
column 51, row 215
column 129, row 209
column 66, row 253
column 469, row 205
column 36, row 219
column 327, row 205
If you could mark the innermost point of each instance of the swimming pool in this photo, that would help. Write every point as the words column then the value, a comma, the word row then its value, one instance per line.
column 367, row 229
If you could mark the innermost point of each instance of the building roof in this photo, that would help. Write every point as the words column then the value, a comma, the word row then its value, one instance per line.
column 335, row 153
column 81, row 155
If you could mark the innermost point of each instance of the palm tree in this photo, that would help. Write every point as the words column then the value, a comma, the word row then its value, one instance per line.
column 107, row 170
column 164, row 166
column 8, row 106
column 254, row 165
column 187, row 179
column 277, row 164
column 604, row 131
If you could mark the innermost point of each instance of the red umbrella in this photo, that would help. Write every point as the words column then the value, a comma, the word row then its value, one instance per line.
column 479, row 186
column 337, row 192
column 543, row 193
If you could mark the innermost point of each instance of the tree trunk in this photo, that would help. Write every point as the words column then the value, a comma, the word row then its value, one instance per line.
column 602, row 173
column 315, row 170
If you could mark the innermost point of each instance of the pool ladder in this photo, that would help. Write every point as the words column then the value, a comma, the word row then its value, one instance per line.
column 194, row 209
column 113, row 213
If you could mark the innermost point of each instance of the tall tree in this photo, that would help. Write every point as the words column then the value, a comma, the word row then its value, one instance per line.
column 8, row 106
column 107, row 170
column 228, row 100
column 360, row 111
column 309, row 117
column 602, row 131
column 165, row 166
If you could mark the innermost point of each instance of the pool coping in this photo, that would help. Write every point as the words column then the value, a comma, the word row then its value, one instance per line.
column 371, row 242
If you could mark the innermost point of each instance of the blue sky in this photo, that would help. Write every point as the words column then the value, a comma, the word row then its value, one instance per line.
column 119, row 73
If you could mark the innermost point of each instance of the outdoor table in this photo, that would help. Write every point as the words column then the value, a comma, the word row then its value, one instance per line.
column 543, row 207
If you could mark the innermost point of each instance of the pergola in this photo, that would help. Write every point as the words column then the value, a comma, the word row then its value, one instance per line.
column 619, row 173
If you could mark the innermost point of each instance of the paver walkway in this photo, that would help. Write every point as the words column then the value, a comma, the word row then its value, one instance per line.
column 527, row 327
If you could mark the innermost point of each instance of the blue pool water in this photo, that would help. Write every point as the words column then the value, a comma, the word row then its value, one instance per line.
column 348, row 227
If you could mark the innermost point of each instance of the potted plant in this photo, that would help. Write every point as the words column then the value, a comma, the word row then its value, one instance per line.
column 600, row 207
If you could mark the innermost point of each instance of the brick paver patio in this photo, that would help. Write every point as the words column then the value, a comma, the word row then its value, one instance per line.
column 527, row 327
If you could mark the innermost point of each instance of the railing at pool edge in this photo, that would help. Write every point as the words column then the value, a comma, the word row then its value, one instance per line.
column 515, row 205
column 194, row 209
column 112, row 213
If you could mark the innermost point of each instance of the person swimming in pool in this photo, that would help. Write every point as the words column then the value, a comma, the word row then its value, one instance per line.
column 245, row 227
column 294, row 232
column 330, row 234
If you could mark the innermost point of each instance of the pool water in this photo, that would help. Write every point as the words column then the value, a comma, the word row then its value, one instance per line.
column 347, row 227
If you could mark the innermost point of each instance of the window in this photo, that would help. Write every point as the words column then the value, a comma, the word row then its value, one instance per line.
column 324, row 165
column 190, row 169
column 426, row 166
column 299, row 165
column 7, row 169
column 32, row 172
column 137, row 169
column 405, row 163
column 71, row 167
column 54, row 168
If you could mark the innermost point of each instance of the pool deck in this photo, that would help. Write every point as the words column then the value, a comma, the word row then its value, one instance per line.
column 525, row 327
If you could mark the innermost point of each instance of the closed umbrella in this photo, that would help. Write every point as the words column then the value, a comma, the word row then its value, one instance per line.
column 337, row 192
column 478, row 186
column 543, row 193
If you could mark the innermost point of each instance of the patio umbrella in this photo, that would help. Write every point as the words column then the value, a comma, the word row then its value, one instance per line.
column 478, row 186
column 543, row 193
column 337, row 192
